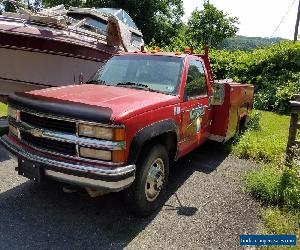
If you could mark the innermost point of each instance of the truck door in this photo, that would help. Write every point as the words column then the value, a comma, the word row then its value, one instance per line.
column 195, row 109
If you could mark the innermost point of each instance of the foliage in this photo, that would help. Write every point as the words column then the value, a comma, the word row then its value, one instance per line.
column 265, row 184
column 210, row 26
column 6, row 5
column 159, row 20
column 254, row 121
column 247, row 43
column 275, row 185
column 273, row 70
column 290, row 182
column 267, row 143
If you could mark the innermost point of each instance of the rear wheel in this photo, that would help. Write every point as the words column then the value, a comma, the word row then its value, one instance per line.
column 147, row 192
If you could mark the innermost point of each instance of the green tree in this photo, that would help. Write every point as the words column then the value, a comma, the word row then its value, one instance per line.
column 66, row 3
column 159, row 20
column 30, row 4
column 211, row 26
column 7, row 5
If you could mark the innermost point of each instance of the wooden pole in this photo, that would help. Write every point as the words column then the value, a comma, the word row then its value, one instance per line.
column 294, row 127
column 297, row 24
column 292, row 137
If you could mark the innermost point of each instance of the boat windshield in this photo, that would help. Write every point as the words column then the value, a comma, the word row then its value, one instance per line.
column 121, row 14
column 92, row 24
column 154, row 73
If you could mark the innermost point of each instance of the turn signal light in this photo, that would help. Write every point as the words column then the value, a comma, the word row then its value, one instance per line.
column 118, row 156
column 119, row 134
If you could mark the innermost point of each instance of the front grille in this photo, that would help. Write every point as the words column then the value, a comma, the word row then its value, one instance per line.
column 48, row 123
column 49, row 145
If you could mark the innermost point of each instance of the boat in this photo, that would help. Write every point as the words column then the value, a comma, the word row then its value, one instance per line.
column 57, row 47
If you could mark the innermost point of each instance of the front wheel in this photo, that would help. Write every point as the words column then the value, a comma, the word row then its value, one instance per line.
column 147, row 192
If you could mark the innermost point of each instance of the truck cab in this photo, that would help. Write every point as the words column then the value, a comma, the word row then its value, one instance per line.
column 122, row 129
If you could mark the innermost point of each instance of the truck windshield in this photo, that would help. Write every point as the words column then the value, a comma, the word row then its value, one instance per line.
column 156, row 73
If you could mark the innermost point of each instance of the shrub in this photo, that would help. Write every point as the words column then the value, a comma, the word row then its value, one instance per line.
column 254, row 121
column 284, row 94
column 290, row 182
column 273, row 70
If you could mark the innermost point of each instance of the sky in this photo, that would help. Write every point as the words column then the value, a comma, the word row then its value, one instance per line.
column 256, row 17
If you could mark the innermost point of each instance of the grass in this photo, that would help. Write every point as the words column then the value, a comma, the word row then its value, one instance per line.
column 266, row 144
column 278, row 221
column 275, row 185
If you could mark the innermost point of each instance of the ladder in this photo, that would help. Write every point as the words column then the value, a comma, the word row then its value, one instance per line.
column 293, row 144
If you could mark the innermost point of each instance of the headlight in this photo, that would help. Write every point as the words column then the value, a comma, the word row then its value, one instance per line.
column 93, row 131
column 12, row 112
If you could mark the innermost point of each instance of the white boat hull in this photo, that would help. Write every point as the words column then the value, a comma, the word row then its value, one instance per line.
column 22, row 70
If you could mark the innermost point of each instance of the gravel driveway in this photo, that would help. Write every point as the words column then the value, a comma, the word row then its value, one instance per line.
column 207, row 183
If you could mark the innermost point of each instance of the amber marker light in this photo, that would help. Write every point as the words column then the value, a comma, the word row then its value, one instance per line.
column 187, row 50
column 119, row 134
column 118, row 156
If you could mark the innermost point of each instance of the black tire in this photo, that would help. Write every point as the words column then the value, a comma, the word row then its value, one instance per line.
column 135, row 196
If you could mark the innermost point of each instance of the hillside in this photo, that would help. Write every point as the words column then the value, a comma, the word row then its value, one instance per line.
column 248, row 43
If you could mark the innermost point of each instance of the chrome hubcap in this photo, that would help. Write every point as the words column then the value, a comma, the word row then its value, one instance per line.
column 155, row 180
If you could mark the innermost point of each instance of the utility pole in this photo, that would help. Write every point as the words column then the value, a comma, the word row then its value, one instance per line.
column 297, row 24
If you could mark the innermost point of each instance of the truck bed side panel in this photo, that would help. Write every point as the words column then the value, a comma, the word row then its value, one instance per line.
column 237, row 103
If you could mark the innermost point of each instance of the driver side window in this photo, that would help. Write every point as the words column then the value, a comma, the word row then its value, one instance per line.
column 196, row 82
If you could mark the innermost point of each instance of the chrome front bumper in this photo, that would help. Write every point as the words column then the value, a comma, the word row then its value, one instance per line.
column 112, row 179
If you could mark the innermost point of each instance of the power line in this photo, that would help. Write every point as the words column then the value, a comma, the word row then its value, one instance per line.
column 282, row 19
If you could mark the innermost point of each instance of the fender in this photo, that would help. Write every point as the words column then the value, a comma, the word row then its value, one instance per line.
column 147, row 133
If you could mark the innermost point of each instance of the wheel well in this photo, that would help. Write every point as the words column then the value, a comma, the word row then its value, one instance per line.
column 242, row 122
column 168, row 140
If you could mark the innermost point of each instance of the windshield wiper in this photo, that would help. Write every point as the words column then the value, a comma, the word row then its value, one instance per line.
column 97, row 82
column 133, row 84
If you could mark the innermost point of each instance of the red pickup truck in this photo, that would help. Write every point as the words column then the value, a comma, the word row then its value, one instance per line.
column 123, row 128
